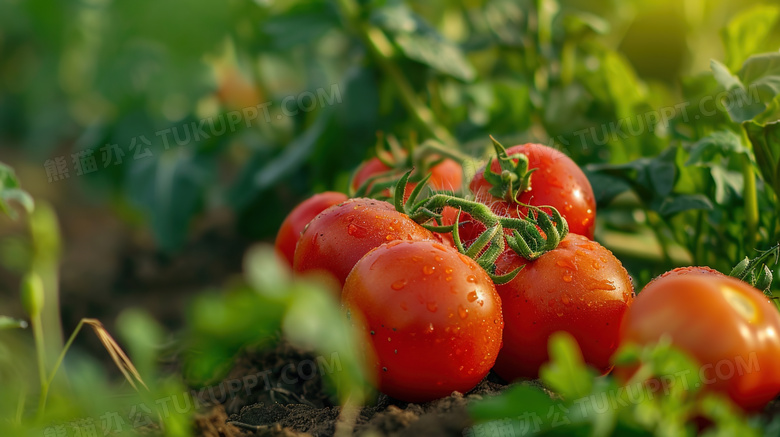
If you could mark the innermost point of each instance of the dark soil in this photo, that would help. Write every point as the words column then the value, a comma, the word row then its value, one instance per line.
column 304, row 408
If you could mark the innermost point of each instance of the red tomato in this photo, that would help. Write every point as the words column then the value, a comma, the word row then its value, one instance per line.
column 683, row 271
column 579, row 287
column 339, row 236
column 433, row 316
column 728, row 326
column 447, row 175
column 299, row 217
column 557, row 182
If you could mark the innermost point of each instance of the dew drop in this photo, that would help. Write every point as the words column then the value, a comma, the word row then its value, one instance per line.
column 471, row 278
column 565, row 299
column 448, row 270
column 471, row 297
column 432, row 307
column 566, row 278
column 448, row 278
column 438, row 259
column 388, row 237
column 428, row 270
column 399, row 284
column 463, row 312
column 559, row 314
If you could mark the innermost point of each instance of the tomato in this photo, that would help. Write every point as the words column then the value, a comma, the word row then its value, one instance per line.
column 339, row 236
column 433, row 315
column 557, row 182
column 447, row 175
column 683, row 271
column 728, row 326
column 579, row 287
column 299, row 217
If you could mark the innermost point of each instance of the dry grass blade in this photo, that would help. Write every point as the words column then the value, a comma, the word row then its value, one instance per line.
column 119, row 356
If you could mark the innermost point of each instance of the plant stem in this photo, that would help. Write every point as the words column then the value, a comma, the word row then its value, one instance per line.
column 382, row 50
column 40, row 351
column 751, row 202
column 46, row 383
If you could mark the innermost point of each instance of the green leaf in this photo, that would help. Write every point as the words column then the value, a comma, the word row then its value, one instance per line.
column 754, row 88
column 310, row 19
column 170, row 189
column 765, row 140
column 748, row 33
column 566, row 373
column 723, row 143
column 683, row 202
column 11, row 323
column 418, row 41
column 11, row 191
column 516, row 401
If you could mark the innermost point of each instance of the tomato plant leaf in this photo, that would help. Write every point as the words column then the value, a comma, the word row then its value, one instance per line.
column 748, row 33
column 718, row 143
column 683, row 202
column 310, row 20
column 754, row 87
column 418, row 41
column 765, row 140
column 566, row 373
column 516, row 401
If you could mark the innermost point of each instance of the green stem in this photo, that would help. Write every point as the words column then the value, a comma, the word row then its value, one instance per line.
column 20, row 404
column 429, row 148
column 40, row 350
column 751, row 202
column 655, row 225
column 47, row 382
column 382, row 50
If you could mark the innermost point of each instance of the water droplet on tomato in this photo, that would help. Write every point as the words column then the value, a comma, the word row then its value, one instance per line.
column 463, row 312
column 399, row 284
column 428, row 270
column 432, row 307
column 559, row 314
column 438, row 259
column 448, row 278
column 471, row 297
column 604, row 284
column 388, row 237
column 430, row 328
column 565, row 299
column 471, row 278
column 567, row 278
column 448, row 270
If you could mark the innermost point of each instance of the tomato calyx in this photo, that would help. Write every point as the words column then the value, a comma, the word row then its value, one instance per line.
column 530, row 237
column 514, row 176
column 755, row 271
column 400, row 157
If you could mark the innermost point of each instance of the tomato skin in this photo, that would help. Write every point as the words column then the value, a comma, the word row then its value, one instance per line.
column 339, row 236
column 447, row 175
column 433, row 317
column 683, row 271
column 299, row 217
column 557, row 182
column 724, row 323
column 579, row 287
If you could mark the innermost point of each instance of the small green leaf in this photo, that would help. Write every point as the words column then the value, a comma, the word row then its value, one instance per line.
column 421, row 42
column 683, row 202
column 765, row 140
column 514, row 402
column 566, row 372
column 11, row 191
column 11, row 323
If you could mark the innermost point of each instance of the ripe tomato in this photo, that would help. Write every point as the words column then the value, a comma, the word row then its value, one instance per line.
column 728, row 326
column 433, row 315
column 339, row 236
column 557, row 182
column 447, row 175
column 299, row 217
column 579, row 287
column 683, row 271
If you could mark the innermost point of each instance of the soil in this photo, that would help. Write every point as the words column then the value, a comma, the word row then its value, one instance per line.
column 304, row 408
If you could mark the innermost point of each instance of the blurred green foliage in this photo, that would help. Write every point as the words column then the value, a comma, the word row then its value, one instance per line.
column 315, row 81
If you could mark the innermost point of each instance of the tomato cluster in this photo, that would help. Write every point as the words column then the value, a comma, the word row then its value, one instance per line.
column 438, row 317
